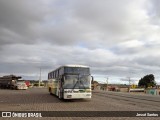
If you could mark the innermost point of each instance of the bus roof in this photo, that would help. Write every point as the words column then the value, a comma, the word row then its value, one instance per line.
column 83, row 66
column 75, row 66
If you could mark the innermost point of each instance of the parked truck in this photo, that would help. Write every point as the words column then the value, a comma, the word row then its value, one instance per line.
column 12, row 82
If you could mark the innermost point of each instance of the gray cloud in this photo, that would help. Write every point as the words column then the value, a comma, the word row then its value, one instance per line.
column 114, row 38
column 19, row 21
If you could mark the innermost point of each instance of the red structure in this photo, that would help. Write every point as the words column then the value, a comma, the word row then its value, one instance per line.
column 27, row 83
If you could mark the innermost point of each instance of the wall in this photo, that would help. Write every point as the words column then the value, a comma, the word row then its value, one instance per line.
column 152, row 91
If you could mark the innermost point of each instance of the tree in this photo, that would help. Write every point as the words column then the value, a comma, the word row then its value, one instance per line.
column 147, row 81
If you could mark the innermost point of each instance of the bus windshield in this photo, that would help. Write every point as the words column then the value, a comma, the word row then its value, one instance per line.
column 77, row 70
column 76, row 82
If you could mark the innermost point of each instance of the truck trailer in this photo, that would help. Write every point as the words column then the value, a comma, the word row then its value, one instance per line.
column 12, row 82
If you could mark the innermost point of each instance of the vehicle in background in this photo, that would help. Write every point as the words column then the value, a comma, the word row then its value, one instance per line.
column 70, row 82
column 12, row 82
column 20, row 85
column 28, row 83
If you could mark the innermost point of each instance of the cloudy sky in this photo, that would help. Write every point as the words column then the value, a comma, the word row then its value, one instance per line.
column 117, row 39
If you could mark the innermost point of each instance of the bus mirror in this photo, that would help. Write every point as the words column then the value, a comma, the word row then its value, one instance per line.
column 92, row 79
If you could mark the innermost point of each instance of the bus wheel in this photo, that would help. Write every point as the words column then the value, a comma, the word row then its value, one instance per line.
column 50, row 91
column 60, row 95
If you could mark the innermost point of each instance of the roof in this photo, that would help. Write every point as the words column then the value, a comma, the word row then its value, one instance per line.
column 83, row 66
column 11, row 76
column 75, row 66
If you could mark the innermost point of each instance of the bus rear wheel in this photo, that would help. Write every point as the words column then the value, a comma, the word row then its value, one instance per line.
column 50, row 91
column 60, row 95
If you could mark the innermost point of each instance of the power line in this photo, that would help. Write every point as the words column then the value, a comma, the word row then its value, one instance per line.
column 128, row 79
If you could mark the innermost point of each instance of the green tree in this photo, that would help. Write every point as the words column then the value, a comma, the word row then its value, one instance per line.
column 147, row 81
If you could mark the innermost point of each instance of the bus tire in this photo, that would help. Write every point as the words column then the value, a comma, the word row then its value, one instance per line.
column 50, row 91
column 60, row 95
column 16, row 88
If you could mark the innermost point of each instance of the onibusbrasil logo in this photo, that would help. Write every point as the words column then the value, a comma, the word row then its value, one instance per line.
column 21, row 114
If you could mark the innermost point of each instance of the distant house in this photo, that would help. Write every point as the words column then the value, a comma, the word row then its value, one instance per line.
column 114, row 87
column 36, row 82
column 118, row 87
column 95, row 85
column 110, row 87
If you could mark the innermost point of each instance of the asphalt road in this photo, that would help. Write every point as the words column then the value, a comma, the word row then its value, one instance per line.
column 38, row 99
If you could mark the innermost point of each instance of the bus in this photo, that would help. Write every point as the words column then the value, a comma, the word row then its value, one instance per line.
column 70, row 82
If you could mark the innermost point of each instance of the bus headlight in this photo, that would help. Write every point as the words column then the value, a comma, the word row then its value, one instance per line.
column 68, row 91
column 88, row 94
column 69, row 96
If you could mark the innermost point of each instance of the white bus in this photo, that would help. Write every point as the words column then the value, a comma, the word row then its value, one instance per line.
column 70, row 82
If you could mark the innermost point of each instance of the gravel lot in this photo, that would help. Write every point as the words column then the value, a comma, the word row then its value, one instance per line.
column 38, row 99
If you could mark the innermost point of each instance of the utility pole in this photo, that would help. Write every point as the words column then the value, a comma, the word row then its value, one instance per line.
column 40, row 78
column 107, row 83
column 129, row 81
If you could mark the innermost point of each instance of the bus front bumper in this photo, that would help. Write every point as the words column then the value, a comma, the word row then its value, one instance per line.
column 77, row 95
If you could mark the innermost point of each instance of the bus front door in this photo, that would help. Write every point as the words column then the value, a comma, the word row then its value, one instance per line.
column 61, row 89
